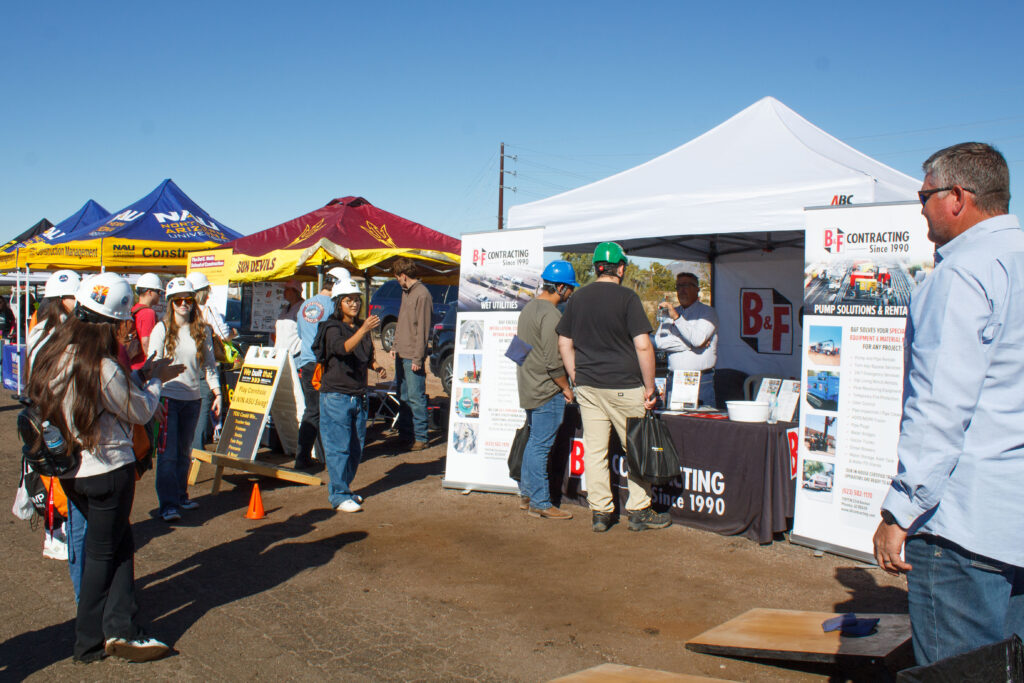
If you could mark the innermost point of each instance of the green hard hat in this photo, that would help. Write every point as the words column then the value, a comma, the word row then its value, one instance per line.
column 609, row 252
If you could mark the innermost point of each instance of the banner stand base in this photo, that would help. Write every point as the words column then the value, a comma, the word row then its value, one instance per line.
column 832, row 549
column 221, row 461
column 475, row 487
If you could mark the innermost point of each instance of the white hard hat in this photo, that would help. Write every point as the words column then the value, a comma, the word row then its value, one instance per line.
column 62, row 283
column 178, row 286
column 149, row 281
column 108, row 294
column 344, row 286
column 338, row 273
column 198, row 280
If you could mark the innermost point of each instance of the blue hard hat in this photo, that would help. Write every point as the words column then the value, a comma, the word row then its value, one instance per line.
column 560, row 272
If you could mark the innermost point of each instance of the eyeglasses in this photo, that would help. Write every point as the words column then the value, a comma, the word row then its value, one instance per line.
column 925, row 195
column 352, row 302
column 187, row 301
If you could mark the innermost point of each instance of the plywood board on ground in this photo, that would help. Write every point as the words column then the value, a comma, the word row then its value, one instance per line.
column 797, row 636
column 620, row 673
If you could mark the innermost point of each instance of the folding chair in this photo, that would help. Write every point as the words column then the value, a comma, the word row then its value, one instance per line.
column 386, row 397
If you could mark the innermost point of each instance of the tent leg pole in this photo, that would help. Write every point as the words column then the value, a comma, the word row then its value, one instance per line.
column 320, row 278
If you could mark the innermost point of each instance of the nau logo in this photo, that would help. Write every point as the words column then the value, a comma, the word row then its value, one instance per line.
column 479, row 256
column 379, row 233
column 834, row 240
column 766, row 321
column 99, row 293
column 123, row 247
column 52, row 234
column 182, row 216
column 842, row 199
column 309, row 231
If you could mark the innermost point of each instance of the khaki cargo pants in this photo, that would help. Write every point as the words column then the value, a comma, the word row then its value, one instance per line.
column 600, row 410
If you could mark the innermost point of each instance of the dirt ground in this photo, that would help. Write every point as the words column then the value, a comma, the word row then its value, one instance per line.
column 427, row 584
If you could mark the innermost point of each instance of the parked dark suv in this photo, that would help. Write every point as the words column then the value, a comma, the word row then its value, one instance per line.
column 388, row 299
column 442, row 348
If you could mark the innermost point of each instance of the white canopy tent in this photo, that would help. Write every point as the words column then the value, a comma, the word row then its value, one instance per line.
column 734, row 196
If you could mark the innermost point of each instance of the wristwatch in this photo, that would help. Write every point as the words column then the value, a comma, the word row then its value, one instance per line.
column 888, row 518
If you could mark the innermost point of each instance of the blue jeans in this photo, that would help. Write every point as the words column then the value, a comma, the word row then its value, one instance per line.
column 76, row 546
column 173, row 463
column 205, row 403
column 544, row 423
column 343, row 432
column 412, row 395
column 706, row 394
column 959, row 601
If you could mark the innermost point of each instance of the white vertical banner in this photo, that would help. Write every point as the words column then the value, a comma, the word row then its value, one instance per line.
column 499, row 273
column 862, row 265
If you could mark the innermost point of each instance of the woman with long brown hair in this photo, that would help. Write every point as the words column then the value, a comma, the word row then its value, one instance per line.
column 58, row 303
column 79, row 387
column 183, row 337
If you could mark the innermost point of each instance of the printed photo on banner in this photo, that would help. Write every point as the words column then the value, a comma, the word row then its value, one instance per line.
column 467, row 402
column 501, row 274
column 464, row 437
column 817, row 480
column 469, row 367
column 823, row 389
column 826, row 342
column 471, row 335
column 820, row 433
column 864, row 264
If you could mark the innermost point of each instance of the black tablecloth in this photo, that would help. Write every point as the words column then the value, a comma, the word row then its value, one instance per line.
column 736, row 475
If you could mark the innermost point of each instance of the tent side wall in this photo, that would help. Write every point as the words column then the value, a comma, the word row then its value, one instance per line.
column 758, row 297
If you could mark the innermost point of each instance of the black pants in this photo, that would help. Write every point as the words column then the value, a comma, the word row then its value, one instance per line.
column 309, row 428
column 106, row 603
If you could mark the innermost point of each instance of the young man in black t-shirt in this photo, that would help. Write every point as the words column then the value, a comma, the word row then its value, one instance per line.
column 604, row 340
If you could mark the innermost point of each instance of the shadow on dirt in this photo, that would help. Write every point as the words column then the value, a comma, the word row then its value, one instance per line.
column 404, row 473
column 866, row 595
column 268, row 556
column 29, row 652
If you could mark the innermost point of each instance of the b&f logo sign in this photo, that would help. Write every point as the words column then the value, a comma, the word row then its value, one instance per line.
column 766, row 321
column 833, row 240
column 479, row 256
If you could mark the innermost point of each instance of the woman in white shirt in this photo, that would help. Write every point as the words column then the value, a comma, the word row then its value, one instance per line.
column 79, row 387
column 183, row 337
column 219, row 328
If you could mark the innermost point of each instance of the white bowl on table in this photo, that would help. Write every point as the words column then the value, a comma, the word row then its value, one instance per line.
column 748, row 411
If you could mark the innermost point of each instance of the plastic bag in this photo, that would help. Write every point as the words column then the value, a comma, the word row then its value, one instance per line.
column 515, row 454
column 23, row 507
column 650, row 453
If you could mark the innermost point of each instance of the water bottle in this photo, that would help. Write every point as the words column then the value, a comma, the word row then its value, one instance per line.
column 53, row 440
column 773, row 410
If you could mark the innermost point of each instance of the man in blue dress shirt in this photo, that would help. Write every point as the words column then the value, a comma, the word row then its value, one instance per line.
column 955, row 507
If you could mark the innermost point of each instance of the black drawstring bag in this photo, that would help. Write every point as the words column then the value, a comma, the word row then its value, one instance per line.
column 650, row 453
column 515, row 454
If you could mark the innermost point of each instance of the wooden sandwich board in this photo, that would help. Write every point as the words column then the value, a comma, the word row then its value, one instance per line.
column 266, row 384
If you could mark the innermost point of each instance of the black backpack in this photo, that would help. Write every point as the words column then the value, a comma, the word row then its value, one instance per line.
column 35, row 451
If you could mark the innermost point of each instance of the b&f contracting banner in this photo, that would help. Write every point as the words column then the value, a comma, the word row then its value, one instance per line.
column 862, row 265
column 500, row 272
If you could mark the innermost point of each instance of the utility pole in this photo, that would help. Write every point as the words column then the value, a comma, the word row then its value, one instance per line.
column 501, row 184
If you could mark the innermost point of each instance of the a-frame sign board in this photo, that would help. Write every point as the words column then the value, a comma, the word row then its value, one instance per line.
column 266, row 384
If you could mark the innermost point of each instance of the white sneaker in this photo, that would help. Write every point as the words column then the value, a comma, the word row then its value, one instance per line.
column 358, row 498
column 188, row 504
column 142, row 650
column 349, row 505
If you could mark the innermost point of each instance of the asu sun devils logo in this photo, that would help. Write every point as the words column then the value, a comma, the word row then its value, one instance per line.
column 308, row 231
column 379, row 233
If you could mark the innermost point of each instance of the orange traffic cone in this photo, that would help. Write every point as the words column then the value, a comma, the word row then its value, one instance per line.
column 255, row 504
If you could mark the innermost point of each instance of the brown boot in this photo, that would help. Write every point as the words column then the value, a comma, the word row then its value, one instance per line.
column 524, row 502
column 550, row 513
column 417, row 445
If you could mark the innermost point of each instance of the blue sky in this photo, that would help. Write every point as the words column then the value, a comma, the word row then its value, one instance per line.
column 262, row 111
